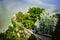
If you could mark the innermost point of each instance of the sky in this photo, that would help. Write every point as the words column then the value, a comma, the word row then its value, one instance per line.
column 23, row 5
column 10, row 7
column 13, row 6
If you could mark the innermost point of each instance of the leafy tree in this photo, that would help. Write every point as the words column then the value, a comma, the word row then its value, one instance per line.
column 47, row 23
column 13, row 22
column 19, row 16
column 2, row 36
column 35, row 10
column 28, row 23
column 15, row 32
column 30, row 18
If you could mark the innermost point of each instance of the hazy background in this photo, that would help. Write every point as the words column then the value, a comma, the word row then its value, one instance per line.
column 10, row 7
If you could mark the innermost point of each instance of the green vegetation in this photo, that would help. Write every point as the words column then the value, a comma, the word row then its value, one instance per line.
column 30, row 18
column 16, row 31
column 19, row 16
column 47, row 23
column 35, row 10
column 32, row 37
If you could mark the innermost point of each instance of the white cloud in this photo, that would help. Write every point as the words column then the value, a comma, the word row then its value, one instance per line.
column 14, row 6
column 34, row 1
column 48, row 7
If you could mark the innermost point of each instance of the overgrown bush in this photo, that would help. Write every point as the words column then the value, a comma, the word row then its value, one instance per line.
column 47, row 23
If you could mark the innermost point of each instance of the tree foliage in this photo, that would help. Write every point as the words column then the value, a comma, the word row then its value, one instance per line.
column 35, row 10
column 16, row 31
column 30, row 18
column 19, row 16
column 47, row 23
